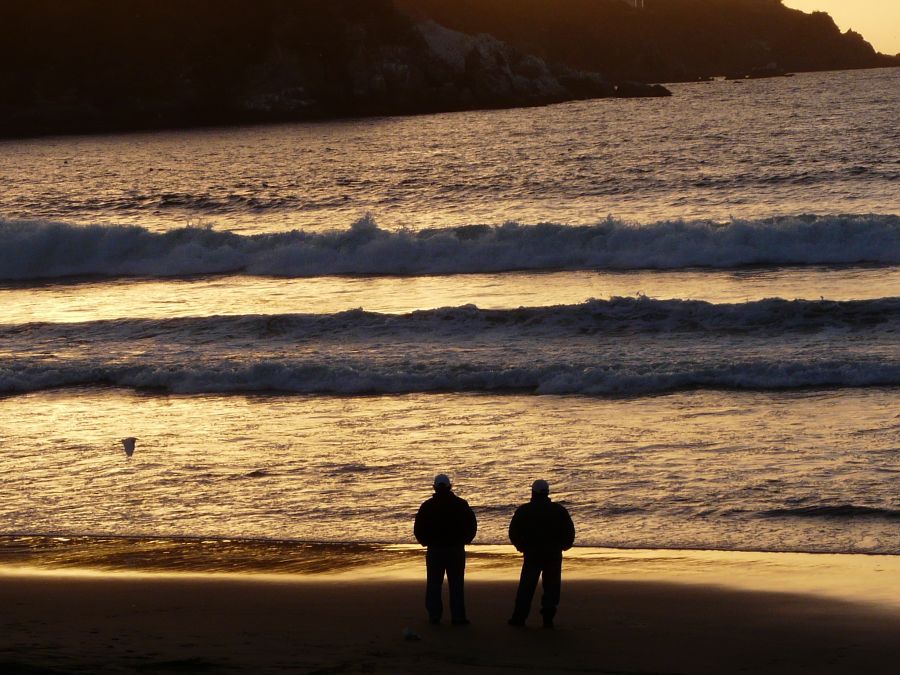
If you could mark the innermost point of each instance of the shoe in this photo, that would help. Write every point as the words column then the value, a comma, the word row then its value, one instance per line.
column 460, row 622
column 434, row 620
column 548, row 615
column 518, row 623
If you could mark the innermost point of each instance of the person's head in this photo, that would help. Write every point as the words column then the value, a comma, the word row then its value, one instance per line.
column 442, row 483
column 540, row 488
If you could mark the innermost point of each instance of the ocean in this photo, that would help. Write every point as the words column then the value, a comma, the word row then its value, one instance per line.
column 683, row 313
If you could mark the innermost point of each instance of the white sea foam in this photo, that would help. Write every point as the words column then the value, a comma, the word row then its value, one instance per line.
column 32, row 250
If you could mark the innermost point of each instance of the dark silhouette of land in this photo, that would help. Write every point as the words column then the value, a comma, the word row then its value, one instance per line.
column 668, row 41
column 106, row 65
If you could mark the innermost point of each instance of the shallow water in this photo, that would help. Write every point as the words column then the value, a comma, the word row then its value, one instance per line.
column 92, row 300
column 690, row 470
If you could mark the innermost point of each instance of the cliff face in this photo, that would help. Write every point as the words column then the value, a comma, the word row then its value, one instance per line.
column 100, row 65
column 669, row 40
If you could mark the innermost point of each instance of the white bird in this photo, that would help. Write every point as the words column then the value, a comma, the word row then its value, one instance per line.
column 128, row 444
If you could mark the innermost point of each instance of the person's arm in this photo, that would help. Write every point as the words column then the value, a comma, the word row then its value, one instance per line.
column 420, row 529
column 471, row 524
column 568, row 529
column 516, row 535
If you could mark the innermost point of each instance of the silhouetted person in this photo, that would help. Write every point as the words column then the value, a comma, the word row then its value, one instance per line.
column 541, row 530
column 445, row 524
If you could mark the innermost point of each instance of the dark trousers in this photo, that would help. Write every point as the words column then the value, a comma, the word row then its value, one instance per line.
column 452, row 561
column 547, row 566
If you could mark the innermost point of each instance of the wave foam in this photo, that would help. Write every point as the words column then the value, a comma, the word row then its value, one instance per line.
column 31, row 250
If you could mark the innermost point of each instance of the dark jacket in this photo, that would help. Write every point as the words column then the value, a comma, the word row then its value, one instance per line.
column 445, row 520
column 542, row 527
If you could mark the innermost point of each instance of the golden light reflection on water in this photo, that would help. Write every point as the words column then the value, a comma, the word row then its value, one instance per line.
column 162, row 298
column 688, row 470
column 571, row 163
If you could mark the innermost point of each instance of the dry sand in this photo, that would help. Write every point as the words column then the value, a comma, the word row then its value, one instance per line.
column 55, row 622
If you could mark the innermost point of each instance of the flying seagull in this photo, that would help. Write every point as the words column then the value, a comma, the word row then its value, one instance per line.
column 128, row 444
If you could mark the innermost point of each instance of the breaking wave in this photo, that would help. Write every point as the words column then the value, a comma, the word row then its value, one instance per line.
column 619, row 315
column 322, row 376
column 33, row 250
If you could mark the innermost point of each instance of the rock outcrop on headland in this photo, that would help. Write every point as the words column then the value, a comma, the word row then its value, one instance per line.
column 666, row 40
column 105, row 65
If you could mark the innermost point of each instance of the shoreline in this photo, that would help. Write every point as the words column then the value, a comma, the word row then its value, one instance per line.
column 850, row 577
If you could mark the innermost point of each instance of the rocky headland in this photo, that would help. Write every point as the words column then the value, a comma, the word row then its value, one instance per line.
column 74, row 66
column 103, row 65
column 663, row 40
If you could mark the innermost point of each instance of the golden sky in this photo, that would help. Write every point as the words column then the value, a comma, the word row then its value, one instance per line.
column 877, row 20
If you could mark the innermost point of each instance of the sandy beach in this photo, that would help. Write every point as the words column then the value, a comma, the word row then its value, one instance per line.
column 679, row 616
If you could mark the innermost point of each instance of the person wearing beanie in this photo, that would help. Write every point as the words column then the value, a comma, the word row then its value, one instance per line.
column 542, row 530
column 445, row 524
